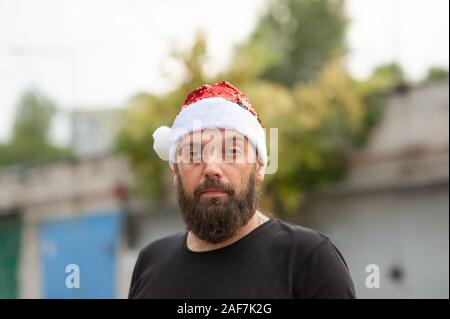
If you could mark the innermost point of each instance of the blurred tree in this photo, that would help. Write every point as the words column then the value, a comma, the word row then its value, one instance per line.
column 193, row 61
column 30, row 140
column 33, row 119
column 388, row 75
column 436, row 73
column 299, row 36
column 319, row 125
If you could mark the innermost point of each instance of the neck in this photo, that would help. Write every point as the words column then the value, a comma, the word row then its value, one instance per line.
column 198, row 245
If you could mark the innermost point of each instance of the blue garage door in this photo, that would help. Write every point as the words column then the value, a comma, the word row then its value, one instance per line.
column 91, row 243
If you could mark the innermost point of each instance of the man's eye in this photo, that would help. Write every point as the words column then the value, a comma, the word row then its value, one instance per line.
column 234, row 151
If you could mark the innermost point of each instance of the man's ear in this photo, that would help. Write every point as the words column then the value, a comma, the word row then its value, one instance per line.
column 259, row 171
column 175, row 174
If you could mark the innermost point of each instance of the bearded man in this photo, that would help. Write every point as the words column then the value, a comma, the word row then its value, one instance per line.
column 217, row 152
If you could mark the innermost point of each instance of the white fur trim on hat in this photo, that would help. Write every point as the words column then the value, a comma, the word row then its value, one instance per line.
column 210, row 113
column 161, row 142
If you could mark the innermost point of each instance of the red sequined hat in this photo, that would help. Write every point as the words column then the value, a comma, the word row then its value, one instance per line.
column 223, row 90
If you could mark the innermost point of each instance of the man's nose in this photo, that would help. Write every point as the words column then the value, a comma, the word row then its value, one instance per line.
column 213, row 162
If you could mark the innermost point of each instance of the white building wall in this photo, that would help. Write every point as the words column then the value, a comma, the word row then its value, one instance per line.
column 406, row 228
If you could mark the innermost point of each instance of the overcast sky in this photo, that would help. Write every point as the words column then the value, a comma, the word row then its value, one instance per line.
column 96, row 54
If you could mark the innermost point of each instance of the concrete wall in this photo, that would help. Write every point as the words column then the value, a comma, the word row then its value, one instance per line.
column 404, row 229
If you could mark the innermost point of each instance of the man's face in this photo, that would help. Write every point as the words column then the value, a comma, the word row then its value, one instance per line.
column 217, row 178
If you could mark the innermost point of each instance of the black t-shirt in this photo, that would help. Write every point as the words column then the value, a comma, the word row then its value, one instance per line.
column 275, row 260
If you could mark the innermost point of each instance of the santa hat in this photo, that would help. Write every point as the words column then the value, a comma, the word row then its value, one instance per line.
column 216, row 106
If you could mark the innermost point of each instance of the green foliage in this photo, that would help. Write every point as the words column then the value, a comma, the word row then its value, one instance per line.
column 33, row 117
column 436, row 73
column 300, row 36
column 388, row 76
column 319, row 124
column 30, row 140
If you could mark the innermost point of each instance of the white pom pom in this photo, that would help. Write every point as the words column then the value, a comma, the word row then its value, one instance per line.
column 161, row 143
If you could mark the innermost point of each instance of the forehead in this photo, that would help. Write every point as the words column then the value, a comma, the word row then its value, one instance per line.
column 213, row 135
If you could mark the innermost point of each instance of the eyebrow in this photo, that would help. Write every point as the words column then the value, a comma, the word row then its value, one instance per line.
column 233, row 138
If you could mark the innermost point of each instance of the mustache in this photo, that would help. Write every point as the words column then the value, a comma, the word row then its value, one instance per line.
column 213, row 183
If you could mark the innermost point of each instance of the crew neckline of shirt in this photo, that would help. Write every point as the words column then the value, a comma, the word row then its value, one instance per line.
column 255, row 231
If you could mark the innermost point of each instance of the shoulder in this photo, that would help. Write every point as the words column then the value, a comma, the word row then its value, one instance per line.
column 297, row 236
column 319, row 269
column 299, row 243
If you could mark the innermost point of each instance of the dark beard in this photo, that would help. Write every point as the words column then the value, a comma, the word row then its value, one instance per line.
column 215, row 220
